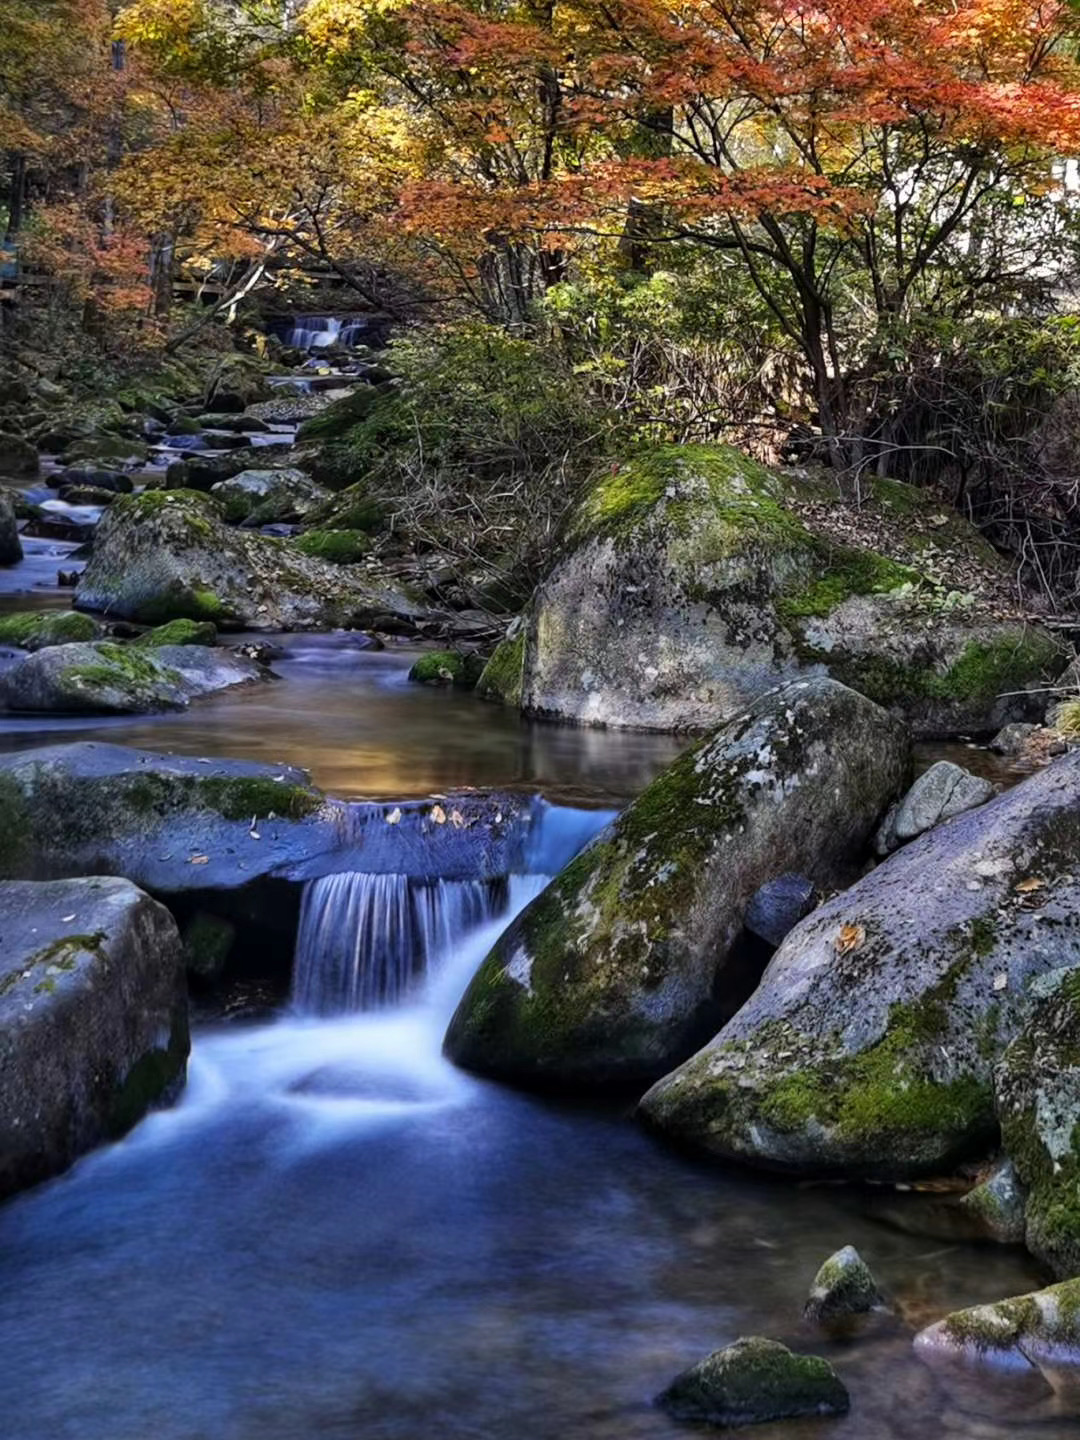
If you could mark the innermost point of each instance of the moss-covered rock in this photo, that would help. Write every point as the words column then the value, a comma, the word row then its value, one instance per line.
column 106, row 678
column 11, row 551
column 354, row 508
column 754, row 1381
column 1039, row 1331
column 843, row 1288
column 621, row 966
column 103, row 448
column 339, row 417
column 93, row 1019
column 1038, row 1098
column 38, row 629
column 264, row 497
column 502, row 677
column 236, row 382
column 458, row 668
column 177, row 632
column 336, row 547
column 869, row 1047
column 18, row 457
column 167, row 555
column 693, row 579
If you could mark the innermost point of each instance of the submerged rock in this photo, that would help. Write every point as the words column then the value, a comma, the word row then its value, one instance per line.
column 618, row 969
column 106, row 678
column 168, row 555
column 694, row 579
column 11, row 551
column 941, row 792
column 1039, row 1331
column 38, row 629
column 754, row 1381
column 1038, row 1100
column 93, row 1019
column 844, row 1287
column 869, row 1047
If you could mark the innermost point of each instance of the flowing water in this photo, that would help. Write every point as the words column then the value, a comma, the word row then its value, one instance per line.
column 336, row 1234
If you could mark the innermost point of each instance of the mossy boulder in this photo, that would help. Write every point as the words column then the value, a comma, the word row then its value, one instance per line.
column 1039, row 1332
column 93, row 1020
column 105, row 449
column 352, row 509
column 264, row 497
column 178, row 632
column 339, row 417
column 38, row 629
column 236, row 382
column 503, row 676
column 869, row 1048
column 96, row 477
column 336, row 547
column 11, row 551
column 626, row 960
column 843, row 1289
column 754, row 1381
column 105, row 678
column 458, row 668
column 167, row 555
column 206, row 472
column 693, row 579
column 18, row 457
column 1038, row 1099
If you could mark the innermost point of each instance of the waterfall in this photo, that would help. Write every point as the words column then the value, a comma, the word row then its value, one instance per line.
column 317, row 332
column 365, row 941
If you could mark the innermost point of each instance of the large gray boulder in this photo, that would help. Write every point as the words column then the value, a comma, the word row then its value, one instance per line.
column 1039, row 1332
column 1038, row 1099
column 164, row 555
column 692, row 579
column 11, row 551
column 110, row 679
column 618, row 969
column 93, row 1019
column 869, row 1047
column 261, row 497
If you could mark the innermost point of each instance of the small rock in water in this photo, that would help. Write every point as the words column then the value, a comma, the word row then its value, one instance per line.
column 1011, row 739
column 997, row 1208
column 754, row 1381
column 842, row 1288
column 943, row 791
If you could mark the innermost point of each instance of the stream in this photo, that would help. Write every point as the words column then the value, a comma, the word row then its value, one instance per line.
column 334, row 1233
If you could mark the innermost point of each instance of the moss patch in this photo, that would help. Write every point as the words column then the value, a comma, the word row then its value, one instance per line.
column 180, row 632
column 503, row 676
column 35, row 630
column 339, row 547
column 448, row 667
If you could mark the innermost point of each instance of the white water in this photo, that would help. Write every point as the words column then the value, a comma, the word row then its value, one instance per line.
column 318, row 332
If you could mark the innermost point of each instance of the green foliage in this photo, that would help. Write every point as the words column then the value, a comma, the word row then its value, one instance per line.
column 339, row 547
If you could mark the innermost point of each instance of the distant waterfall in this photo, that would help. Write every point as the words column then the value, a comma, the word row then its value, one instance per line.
column 366, row 940
column 317, row 332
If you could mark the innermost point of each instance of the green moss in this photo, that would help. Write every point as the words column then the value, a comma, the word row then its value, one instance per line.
column 121, row 666
column 503, row 676
column 1067, row 720
column 34, row 629
column 241, row 797
column 180, row 632
column 353, row 509
column 152, row 1078
column 339, row 547
column 988, row 669
column 61, row 954
column 447, row 667
column 337, row 419
column 847, row 573
column 15, row 828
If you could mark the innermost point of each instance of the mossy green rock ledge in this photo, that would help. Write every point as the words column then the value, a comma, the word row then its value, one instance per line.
column 93, row 1019
column 1038, row 1099
column 869, row 1048
column 38, row 629
column 693, row 579
column 752, row 1382
column 168, row 554
column 631, row 956
column 1026, row 1333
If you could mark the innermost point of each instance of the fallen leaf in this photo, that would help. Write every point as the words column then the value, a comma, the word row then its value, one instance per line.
column 438, row 814
column 1025, row 887
column 850, row 937
column 394, row 818
column 199, row 860
column 1001, row 980
column 457, row 819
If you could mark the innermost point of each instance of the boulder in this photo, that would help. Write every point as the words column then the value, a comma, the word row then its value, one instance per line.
column 104, row 678
column 204, row 472
column 11, row 551
column 105, row 450
column 1039, row 1331
column 778, row 906
column 1038, row 1100
column 1012, row 739
column 843, row 1288
column 996, row 1209
column 237, row 424
column 168, row 555
column 447, row 667
column 38, row 629
column 620, row 966
column 939, row 793
column 18, row 457
column 182, row 632
column 85, row 495
column 261, row 497
column 236, row 383
column 336, row 547
column 93, row 1019
column 754, row 1381
column 869, row 1047
column 692, row 579
column 92, row 475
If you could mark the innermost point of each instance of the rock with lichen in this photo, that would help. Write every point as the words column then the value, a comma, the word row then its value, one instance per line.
column 844, row 1287
column 621, row 966
column 38, row 629
column 261, row 497
column 1035, row 1332
column 1038, row 1099
column 996, row 1209
column 693, row 579
column 938, row 794
column 752, row 1382
column 167, row 555
column 870, row 1045
column 105, row 678
column 93, row 1019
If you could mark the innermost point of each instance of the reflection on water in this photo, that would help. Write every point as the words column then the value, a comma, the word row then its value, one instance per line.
column 353, row 719
column 336, row 1234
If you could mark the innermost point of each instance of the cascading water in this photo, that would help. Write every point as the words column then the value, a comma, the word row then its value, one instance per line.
column 318, row 332
column 366, row 940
